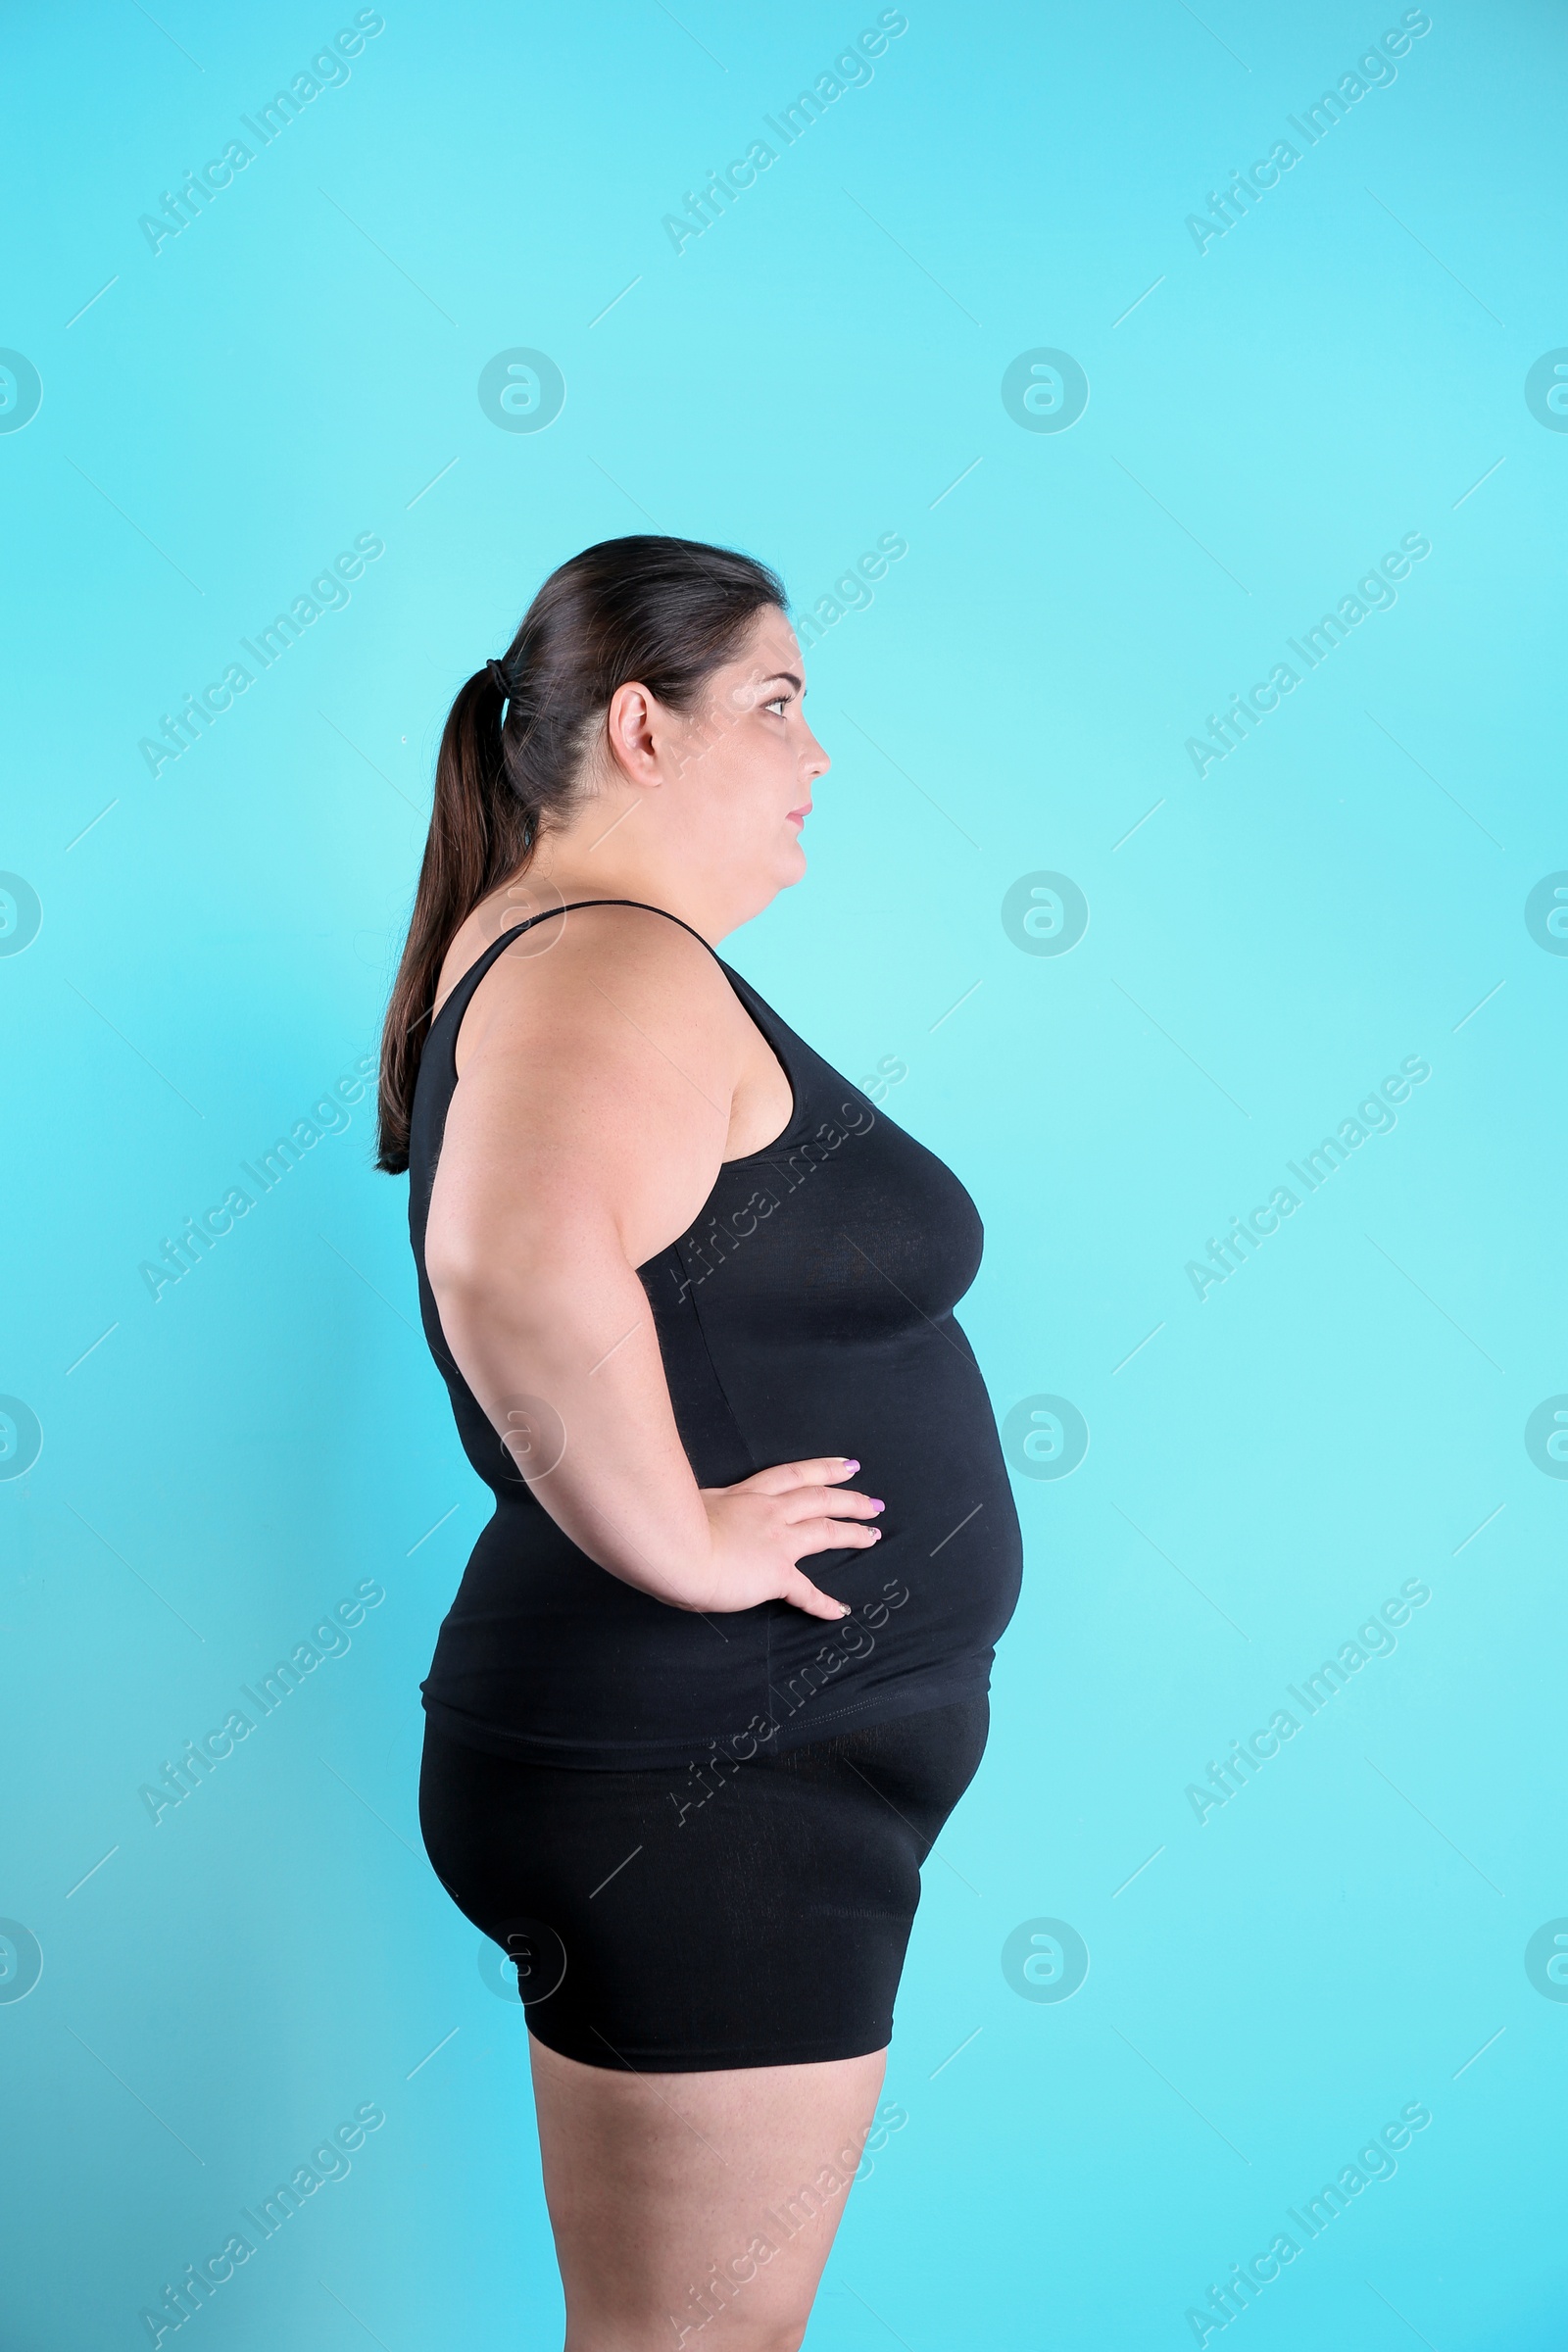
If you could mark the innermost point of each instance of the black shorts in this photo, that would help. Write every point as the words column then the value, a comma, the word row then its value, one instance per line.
column 653, row 1927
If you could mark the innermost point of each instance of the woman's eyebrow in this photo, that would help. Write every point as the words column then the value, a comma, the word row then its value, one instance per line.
column 788, row 677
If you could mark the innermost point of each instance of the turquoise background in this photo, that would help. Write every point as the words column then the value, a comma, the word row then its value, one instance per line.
column 220, row 1467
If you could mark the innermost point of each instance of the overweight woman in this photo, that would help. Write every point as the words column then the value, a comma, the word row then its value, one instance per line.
column 717, row 1670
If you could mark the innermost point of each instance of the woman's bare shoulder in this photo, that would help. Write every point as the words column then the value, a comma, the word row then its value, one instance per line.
column 612, row 973
column 601, row 1068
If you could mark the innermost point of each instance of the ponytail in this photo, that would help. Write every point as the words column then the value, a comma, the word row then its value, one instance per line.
column 663, row 612
column 480, row 833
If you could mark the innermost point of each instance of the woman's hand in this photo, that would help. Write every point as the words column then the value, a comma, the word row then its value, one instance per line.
column 761, row 1526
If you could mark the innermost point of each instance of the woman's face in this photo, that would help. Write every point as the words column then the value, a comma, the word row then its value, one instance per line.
column 739, row 769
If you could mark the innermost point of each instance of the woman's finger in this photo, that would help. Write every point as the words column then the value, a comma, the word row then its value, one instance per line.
column 800, row 1590
column 805, row 1502
column 821, row 1470
column 831, row 1535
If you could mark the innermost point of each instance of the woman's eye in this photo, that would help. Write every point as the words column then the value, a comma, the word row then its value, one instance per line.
column 780, row 704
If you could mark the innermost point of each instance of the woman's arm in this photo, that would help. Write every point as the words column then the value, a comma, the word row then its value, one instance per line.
column 592, row 1112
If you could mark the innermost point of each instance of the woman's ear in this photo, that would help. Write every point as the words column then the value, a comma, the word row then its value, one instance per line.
column 629, row 731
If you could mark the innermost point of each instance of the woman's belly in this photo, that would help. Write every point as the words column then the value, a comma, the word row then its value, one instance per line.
column 941, row 1586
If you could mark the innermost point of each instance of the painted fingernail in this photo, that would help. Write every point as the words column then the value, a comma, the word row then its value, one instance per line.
column 847, row 1462
column 876, row 1534
column 876, row 1502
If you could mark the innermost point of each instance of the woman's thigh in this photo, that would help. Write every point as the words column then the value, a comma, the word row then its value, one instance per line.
column 697, row 2208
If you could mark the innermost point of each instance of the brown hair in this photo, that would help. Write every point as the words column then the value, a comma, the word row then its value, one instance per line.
column 664, row 613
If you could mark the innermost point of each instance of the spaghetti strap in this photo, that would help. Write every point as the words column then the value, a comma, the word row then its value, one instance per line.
column 462, row 991
column 572, row 905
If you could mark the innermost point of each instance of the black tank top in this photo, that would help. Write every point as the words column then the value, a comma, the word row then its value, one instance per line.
column 807, row 1310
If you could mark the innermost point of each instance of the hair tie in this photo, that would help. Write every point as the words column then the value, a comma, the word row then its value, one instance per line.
column 498, row 679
